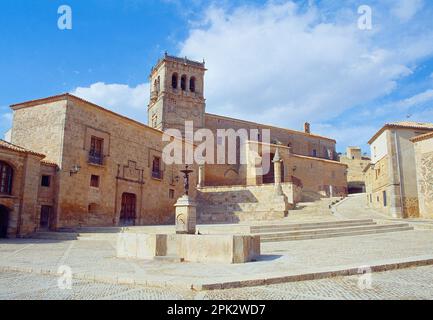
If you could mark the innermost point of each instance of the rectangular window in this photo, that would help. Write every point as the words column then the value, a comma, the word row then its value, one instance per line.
column 384, row 199
column 96, row 155
column 171, row 194
column 314, row 153
column 45, row 181
column 94, row 181
column 156, row 168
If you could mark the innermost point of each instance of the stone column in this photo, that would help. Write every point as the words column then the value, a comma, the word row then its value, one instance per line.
column 201, row 176
column 277, row 167
column 186, row 216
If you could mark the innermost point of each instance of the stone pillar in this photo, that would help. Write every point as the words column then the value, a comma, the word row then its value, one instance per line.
column 186, row 215
column 277, row 167
column 201, row 176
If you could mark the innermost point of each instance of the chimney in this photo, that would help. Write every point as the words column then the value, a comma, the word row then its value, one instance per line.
column 307, row 128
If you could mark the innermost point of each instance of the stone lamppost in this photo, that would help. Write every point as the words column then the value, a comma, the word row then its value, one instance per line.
column 186, row 216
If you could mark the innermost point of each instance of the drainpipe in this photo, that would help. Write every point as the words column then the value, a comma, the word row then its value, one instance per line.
column 397, row 155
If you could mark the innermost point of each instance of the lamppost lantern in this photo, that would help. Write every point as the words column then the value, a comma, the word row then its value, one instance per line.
column 186, row 172
column 74, row 170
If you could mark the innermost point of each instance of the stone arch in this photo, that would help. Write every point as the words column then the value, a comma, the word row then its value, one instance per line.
column 4, row 221
column 192, row 84
column 174, row 80
column 183, row 81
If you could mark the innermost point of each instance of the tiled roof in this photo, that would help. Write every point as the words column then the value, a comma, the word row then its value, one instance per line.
column 403, row 125
column 412, row 124
column 10, row 146
column 423, row 137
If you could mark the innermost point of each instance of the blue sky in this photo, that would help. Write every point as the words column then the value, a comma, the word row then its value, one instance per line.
column 277, row 62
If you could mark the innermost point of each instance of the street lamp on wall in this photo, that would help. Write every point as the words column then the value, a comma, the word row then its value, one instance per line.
column 74, row 170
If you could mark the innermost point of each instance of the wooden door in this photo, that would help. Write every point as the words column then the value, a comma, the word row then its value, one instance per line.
column 128, row 211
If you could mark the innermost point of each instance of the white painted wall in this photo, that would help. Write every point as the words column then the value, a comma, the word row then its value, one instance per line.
column 379, row 147
column 8, row 136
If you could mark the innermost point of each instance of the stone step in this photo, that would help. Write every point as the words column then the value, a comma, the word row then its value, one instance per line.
column 60, row 236
column 310, row 226
column 334, row 233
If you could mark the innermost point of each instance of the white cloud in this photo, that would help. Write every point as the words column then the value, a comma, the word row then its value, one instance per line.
column 349, row 135
column 279, row 65
column 405, row 10
column 123, row 99
column 415, row 100
column 7, row 116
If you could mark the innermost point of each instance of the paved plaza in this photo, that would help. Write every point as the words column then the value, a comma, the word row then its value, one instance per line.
column 28, row 270
column 413, row 283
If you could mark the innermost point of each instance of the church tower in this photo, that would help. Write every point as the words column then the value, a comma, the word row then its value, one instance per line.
column 177, row 94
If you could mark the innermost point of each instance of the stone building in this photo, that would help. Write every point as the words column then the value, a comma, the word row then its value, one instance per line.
column 177, row 95
column 424, row 173
column 356, row 163
column 27, row 184
column 391, row 178
column 107, row 170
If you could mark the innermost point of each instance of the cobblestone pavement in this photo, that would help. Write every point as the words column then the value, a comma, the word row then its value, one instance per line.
column 414, row 283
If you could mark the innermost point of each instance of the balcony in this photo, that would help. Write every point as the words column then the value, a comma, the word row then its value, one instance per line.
column 96, row 158
column 157, row 175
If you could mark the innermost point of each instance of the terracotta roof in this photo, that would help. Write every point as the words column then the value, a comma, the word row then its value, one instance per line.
column 10, row 146
column 422, row 137
column 65, row 96
column 49, row 163
column 403, row 125
column 269, row 126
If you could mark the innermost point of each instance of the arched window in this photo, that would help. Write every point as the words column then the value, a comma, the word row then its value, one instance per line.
column 174, row 80
column 183, row 83
column 192, row 84
column 6, row 174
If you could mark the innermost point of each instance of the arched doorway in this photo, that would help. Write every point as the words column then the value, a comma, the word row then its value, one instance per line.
column 4, row 221
column 270, row 176
column 128, row 210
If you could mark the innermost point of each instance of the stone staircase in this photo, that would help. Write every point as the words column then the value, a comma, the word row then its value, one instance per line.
column 322, row 230
column 234, row 204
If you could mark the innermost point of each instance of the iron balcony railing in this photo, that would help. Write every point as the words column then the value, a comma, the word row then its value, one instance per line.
column 157, row 174
column 96, row 158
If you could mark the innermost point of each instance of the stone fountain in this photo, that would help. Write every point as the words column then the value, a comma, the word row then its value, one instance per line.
column 185, row 245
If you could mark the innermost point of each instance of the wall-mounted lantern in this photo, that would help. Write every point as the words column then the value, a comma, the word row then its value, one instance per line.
column 74, row 170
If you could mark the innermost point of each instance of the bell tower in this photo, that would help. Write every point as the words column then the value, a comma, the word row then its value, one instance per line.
column 177, row 94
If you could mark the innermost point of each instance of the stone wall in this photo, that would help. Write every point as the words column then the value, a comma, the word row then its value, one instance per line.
column 315, row 175
column 424, row 163
column 244, row 203
column 24, row 203
column 127, row 168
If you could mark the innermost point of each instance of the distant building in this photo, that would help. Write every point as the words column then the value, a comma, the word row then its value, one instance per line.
column 356, row 164
column 391, row 178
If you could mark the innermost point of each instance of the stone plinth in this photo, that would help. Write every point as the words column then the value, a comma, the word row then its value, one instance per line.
column 141, row 246
column 227, row 249
column 186, row 216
